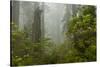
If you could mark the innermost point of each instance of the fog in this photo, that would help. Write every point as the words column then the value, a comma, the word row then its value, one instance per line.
column 54, row 15
column 53, row 21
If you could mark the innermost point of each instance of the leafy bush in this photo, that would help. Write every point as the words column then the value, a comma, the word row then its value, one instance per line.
column 82, row 33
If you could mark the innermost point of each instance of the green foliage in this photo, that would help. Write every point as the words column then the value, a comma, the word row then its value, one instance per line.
column 79, row 45
column 82, row 33
column 25, row 52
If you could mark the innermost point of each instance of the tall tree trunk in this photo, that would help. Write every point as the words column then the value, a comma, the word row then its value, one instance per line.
column 36, row 26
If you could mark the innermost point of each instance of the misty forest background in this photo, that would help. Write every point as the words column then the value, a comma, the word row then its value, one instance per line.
column 52, row 33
